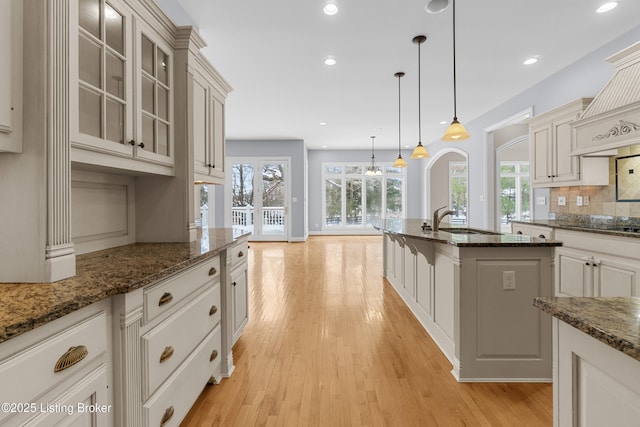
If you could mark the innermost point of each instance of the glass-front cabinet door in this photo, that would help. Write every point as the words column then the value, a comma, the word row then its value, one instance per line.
column 154, row 139
column 120, row 92
column 104, row 88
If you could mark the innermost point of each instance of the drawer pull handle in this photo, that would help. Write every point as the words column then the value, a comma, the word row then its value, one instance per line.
column 168, row 413
column 213, row 310
column 166, row 298
column 542, row 236
column 213, row 356
column 519, row 232
column 166, row 354
column 240, row 254
column 71, row 357
column 212, row 271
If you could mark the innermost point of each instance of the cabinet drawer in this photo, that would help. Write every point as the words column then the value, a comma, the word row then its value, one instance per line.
column 174, row 399
column 168, row 344
column 532, row 230
column 165, row 295
column 68, row 351
column 238, row 253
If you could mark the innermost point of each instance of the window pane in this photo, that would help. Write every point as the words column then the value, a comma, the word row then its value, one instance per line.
column 394, row 198
column 333, row 202
column 459, row 200
column 89, row 16
column 115, row 76
column 525, row 198
column 524, row 168
column 114, row 28
column 115, row 121
column 148, row 132
column 163, row 139
column 354, row 201
column 163, row 67
column 90, row 113
column 392, row 170
column 147, row 55
column 163, row 103
column 147, row 95
column 507, row 199
column 374, row 200
column 507, row 168
column 333, row 169
column 353, row 169
column 90, row 64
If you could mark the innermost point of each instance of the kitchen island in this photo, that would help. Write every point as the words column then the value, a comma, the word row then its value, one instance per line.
column 472, row 291
column 596, row 360
column 138, row 332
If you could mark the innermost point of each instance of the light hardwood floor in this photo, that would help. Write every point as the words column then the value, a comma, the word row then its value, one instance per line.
column 330, row 343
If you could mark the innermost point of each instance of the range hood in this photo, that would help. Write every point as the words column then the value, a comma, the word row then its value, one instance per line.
column 612, row 120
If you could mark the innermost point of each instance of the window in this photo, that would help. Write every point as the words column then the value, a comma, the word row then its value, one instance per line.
column 458, row 192
column 515, row 193
column 354, row 200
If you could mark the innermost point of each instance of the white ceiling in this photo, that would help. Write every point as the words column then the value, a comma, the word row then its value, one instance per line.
column 272, row 53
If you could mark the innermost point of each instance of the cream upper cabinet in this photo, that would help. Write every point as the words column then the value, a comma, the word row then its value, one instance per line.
column 590, row 264
column 552, row 141
column 203, row 90
column 11, row 76
column 121, row 92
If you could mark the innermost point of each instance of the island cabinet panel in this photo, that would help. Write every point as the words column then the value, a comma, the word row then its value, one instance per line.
column 595, row 384
column 488, row 330
column 56, row 371
column 589, row 264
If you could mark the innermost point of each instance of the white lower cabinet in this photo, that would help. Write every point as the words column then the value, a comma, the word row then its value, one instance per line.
column 240, row 306
column 60, row 372
column 169, row 345
column 590, row 264
column 594, row 384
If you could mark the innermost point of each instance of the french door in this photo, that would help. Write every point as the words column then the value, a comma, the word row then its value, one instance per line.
column 259, row 194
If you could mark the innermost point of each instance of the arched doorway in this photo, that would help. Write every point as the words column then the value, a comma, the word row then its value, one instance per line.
column 446, row 180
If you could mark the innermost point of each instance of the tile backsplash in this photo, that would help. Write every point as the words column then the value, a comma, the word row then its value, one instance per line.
column 602, row 200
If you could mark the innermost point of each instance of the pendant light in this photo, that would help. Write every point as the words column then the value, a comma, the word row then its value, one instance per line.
column 456, row 131
column 400, row 162
column 373, row 170
column 419, row 152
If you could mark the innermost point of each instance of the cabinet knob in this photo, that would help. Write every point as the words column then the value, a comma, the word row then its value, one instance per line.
column 70, row 358
column 548, row 176
column 212, row 271
column 587, row 263
column 542, row 236
column 240, row 254
column 166, row 354
column 213, row 166
column 141, row 145
column 168, row 413
column 213, row 310
column 213, row 356
column 132, row 142
column 166, row 298
column 234, row 283
column 519, row 232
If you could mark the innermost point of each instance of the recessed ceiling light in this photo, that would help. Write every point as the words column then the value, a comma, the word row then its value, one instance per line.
column 530, row 61
column 436, row 6
column 330, row 9
column 323, row 123
column 444, row 122
column 606, row 7
column 407, row 146
column 330, row 61
column 324, row 146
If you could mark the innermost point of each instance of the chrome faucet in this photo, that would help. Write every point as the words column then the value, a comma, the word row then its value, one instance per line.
column 435, row 225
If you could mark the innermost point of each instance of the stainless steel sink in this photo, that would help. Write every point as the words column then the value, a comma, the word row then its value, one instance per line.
column 458, row 230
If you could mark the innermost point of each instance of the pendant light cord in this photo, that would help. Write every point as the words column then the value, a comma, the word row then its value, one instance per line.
column 399, row 122
column 455, row 96
column 419, row 103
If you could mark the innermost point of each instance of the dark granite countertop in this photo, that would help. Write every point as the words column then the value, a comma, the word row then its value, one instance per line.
column 476, row 237
column 614, row 321
column 101, row 274
column 611, row 228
